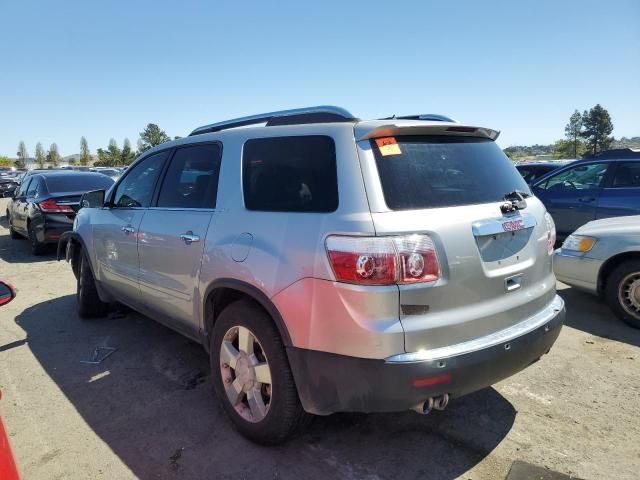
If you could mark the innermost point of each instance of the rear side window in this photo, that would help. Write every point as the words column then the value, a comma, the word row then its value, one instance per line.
column 136, row 188
column 290, row 174
column 34, row 187
column 77, row 182
column 627, row 175
column 192, row 178
column 443, row 171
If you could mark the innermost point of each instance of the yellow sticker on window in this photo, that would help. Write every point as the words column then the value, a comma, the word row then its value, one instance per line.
column 388, row 146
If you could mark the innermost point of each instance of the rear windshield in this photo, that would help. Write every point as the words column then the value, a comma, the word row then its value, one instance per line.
column 77, row 182
column 443, row 171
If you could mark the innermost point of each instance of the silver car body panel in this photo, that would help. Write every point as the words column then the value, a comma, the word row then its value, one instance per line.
column 614, row 236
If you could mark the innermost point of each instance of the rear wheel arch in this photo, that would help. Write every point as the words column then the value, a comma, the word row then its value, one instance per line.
column 223, row 292
column 611, row 264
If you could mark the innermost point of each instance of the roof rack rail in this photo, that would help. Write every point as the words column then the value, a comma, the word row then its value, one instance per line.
column 434, row 117
column 320, row 114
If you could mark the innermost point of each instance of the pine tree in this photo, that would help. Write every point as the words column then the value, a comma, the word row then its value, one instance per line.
column 597, row 128
column 85, row 153
column 151, row 136
column 23, row 155
column 127, row 155
column 573, row 132
column 53, row 155
column 41, row 158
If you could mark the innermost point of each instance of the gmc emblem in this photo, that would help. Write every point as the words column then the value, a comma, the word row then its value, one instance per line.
column 513, row 225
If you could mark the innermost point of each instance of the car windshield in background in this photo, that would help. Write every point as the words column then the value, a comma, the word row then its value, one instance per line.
column 444, row 171
column 77, row 182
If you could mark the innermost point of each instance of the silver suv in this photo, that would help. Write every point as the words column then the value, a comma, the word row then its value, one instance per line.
column 329, row 264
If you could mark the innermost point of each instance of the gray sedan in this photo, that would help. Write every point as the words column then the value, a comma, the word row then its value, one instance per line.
column 603, row 258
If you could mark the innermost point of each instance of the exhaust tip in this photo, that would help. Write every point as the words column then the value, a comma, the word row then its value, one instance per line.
column 431, row 403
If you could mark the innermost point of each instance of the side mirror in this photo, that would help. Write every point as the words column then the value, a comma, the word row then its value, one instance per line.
column 7, row 293
column 93, row 199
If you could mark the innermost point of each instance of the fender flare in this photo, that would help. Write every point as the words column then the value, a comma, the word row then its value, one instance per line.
column 254, row 293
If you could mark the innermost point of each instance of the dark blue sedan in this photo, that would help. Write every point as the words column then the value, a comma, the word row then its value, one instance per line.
column 599, row 187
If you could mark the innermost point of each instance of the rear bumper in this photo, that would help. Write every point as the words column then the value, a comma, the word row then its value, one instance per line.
column 329, row 383
column 53, row 228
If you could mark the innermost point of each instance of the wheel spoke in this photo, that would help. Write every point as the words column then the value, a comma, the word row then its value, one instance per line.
column 234, row 392
column 256, row 404
column 263, row 373
column 229, row 354
column 245, row 340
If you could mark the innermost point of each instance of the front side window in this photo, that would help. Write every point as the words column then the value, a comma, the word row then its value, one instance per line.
column 580, row 177
column 192, row 178
column 136, row 189
column 627, row 175
column 290, row 174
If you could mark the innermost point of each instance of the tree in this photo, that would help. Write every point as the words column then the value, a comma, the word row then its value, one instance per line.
column 41, row 158
column 563, row 149
column 127, row 156
column 151, row 136
column 597, row 128
column 53, row 155
column 5, row 161
column 573, row 132
column 23, row 155
column 110, row 157
column 85, row 153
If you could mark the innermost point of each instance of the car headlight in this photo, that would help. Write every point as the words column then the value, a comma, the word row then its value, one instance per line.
column 579, row 243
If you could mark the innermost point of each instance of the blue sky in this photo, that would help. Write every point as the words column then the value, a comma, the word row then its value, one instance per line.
column 106, row 69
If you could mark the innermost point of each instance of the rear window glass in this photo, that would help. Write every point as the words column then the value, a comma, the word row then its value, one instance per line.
column 290, row 174
column 444, row 171
column 78, row 182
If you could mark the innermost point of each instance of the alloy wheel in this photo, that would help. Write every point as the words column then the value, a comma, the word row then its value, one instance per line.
column 246, row 374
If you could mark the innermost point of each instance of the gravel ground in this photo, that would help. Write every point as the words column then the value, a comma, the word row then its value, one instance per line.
column 148, row 410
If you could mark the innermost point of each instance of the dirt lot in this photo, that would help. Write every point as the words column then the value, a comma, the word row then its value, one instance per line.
column 148, row 411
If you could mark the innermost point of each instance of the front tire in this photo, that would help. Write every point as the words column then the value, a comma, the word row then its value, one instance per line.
column 623, row 292
column 89, row 303
column 251, row 375
column 12, row 233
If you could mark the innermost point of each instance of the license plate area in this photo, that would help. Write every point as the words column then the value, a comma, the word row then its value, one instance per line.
column 504, row 239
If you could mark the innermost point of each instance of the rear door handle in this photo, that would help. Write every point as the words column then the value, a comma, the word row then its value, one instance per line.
column 128, row 229
column 189, row 238
column 586, row 199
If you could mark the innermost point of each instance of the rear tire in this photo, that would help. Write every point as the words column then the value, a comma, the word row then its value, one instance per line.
column 623, row 292
column 37, row 248
column 89, row 303
column 246, row 353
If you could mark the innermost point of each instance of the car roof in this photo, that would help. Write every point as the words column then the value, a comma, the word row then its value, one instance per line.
column 66, row 173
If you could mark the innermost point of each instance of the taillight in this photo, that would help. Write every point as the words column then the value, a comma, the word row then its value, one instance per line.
column 551, row 233
column 383, row 260
column 51, row 206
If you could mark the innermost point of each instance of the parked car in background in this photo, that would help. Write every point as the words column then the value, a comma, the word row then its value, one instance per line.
column 329, row 264
column 603, row 258
column 8, row 185
column 531, row 171
column 114, row 173
column 590, row 189
column 45, row 205
column 28, row 173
